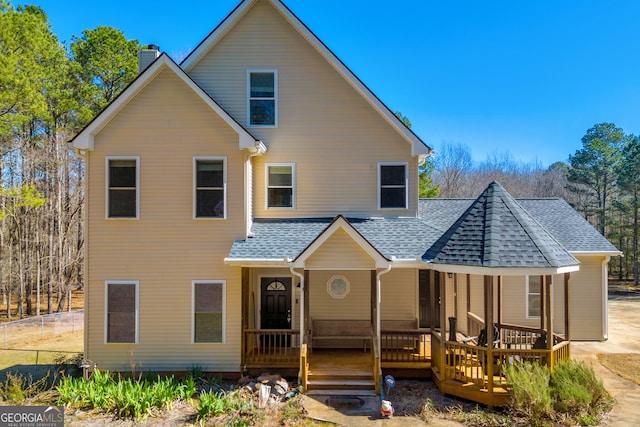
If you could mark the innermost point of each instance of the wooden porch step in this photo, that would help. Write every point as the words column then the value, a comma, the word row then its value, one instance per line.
column 340, row 384
column 329, row 392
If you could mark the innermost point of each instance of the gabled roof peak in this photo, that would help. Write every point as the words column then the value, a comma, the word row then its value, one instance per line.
column 418, row 147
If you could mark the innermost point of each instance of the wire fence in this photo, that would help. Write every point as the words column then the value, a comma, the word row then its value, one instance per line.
column 21, row 332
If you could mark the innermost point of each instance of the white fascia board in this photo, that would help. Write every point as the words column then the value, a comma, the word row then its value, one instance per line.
column 418, row 147
column 597, row 253
column 503, row 271
column 257, row 262
column 85, row 139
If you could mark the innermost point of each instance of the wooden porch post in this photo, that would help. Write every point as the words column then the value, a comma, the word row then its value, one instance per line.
column 468, row 303
column 443, row 323
column 432, row 303
column 245, row 311
column 305, row 303
column 499, row 319
column 374, row 323
column 543, row 298
column 548, row 302
column 488, row 308
column 566, row 306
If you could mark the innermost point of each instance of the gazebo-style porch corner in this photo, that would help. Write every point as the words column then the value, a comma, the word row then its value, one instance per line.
column 495, row 238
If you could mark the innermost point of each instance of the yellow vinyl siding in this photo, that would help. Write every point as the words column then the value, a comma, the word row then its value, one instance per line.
column 330, row 131
column 166, row 125
column 355, row 306
column 399, row 289
column 340, row 251
column 585, row 300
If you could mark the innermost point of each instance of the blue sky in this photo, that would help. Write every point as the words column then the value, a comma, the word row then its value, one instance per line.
column 526, row 77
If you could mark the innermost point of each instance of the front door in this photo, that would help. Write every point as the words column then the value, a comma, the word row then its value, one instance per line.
column 425, row 299
column 275, row 310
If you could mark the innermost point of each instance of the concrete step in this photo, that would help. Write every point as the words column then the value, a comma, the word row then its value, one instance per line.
column 329, row 392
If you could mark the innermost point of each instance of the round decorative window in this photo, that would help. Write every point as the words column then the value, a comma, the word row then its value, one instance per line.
column 338, row 286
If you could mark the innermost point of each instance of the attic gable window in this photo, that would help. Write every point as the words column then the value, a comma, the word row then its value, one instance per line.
column 123, row 176
column 209, row 188
column 262, row 88
column 393, row 188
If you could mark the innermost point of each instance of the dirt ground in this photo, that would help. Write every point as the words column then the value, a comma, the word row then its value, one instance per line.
column 624, row 338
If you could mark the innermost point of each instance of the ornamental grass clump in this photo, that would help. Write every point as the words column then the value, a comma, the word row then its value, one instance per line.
column 569, row 395
column 124, row 397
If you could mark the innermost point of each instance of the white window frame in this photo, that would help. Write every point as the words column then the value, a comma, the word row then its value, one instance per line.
column 195, row 186
column 275, row 96
column 107, row 179
column 406, row 184
column 136, row 283
column 193, row 311
column 528, row 293
column 267, row 186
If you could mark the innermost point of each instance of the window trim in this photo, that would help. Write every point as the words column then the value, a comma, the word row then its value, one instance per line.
column 528, row 293
column 267, row 186
column 136, row 283
column 195, row 187
column 275, row 96
column 193, row 311
column 107, row 179
column 406, row 184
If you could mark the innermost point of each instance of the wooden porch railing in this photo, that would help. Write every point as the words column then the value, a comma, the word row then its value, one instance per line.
column 405, row 346
column 468, row 363
column 277, row 347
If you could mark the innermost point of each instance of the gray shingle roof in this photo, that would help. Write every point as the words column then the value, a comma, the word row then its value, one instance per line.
column 554, row 214
column 403, row 238
column 496, row 232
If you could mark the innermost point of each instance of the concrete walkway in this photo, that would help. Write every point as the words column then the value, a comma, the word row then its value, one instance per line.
column 624, row 337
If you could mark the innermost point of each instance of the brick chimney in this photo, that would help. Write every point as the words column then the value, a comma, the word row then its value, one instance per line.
column 147, row 56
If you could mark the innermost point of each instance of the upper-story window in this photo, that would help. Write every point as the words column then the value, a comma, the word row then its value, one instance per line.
column 123, row 176
column 209, row 187
column 262, row 88
column 393, row 188
column 281, row 185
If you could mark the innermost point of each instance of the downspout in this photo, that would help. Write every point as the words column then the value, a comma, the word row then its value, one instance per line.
column 379, row 300
column 302, row 292
column 605, row 296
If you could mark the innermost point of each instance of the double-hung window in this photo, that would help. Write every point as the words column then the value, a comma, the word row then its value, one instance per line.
column 262, row 102
column 280, row 185
column 534, row 296
column 122, row 312
column 209, row 311
column 209, row 187
column 393, row 188
column 123, row 195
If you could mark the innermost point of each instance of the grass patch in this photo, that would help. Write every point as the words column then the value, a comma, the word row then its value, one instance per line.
column 624, row 364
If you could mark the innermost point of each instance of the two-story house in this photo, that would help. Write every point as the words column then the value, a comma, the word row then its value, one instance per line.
column 258, row 204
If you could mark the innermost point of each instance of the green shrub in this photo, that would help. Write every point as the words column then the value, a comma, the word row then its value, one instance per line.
column 576, row 391
column 17, row 388
column 531, row 393
column 235, row 405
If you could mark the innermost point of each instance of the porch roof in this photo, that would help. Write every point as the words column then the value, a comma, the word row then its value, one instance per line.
column 278, row 239
column 496, row 232
column 566, row 225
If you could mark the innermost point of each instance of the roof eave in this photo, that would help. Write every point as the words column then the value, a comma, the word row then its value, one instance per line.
column 257, row 262
column 503, row 271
